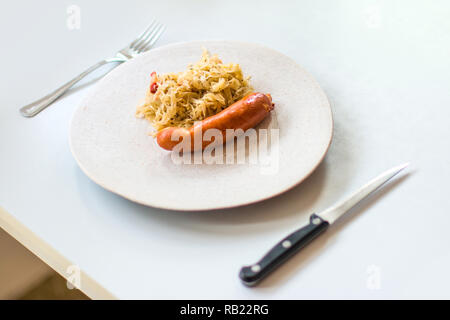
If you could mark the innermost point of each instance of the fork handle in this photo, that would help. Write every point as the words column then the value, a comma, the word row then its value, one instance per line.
column 34, row 108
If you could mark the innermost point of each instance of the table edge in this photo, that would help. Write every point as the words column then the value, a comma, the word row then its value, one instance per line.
column 50, row 256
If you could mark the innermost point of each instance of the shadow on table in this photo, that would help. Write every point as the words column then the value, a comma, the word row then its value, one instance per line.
column 299, row 201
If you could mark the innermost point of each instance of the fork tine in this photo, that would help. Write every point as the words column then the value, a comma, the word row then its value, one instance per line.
column 155, row 38
column 143, row 43
column 145, row 36
column 150, row 26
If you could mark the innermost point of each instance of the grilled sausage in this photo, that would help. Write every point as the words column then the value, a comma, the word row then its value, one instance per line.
column 243, row 114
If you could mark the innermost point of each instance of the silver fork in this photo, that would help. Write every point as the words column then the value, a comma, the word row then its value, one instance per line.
column 141, row 44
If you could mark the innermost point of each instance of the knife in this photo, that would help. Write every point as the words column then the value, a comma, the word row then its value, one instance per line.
column 318, row 223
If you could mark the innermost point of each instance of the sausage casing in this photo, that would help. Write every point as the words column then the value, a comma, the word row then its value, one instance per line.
column 243, row 114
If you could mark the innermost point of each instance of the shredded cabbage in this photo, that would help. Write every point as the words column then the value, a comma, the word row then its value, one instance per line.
column 204, row 89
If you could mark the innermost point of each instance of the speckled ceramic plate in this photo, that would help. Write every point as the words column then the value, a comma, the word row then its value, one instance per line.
column 114, row 149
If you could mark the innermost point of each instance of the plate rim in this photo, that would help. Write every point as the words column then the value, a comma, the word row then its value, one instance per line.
column 211, row 208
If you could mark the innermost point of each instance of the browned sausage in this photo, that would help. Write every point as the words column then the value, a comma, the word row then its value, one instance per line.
column 243, row 114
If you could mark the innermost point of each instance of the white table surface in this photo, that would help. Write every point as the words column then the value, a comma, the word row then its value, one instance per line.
column 386, row 70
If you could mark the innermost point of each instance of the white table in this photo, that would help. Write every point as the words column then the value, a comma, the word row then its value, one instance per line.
column 385, row 67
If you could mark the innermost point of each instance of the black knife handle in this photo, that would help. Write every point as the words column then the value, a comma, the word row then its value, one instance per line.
column 251, row 275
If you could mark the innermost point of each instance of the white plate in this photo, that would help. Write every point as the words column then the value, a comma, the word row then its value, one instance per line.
column 114, row 149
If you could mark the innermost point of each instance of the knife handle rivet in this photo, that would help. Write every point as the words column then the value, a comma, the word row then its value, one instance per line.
column 256, row 268
column 286, row 244
column 316, row 221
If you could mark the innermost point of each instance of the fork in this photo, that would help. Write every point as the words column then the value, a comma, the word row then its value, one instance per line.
column 141, row 44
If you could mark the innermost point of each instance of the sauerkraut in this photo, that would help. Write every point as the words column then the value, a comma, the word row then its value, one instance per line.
column 204, row 89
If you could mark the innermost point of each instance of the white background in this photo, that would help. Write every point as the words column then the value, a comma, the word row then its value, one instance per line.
column 386, row 70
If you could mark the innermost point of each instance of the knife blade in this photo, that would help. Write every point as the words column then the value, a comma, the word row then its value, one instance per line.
column 318, row 223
